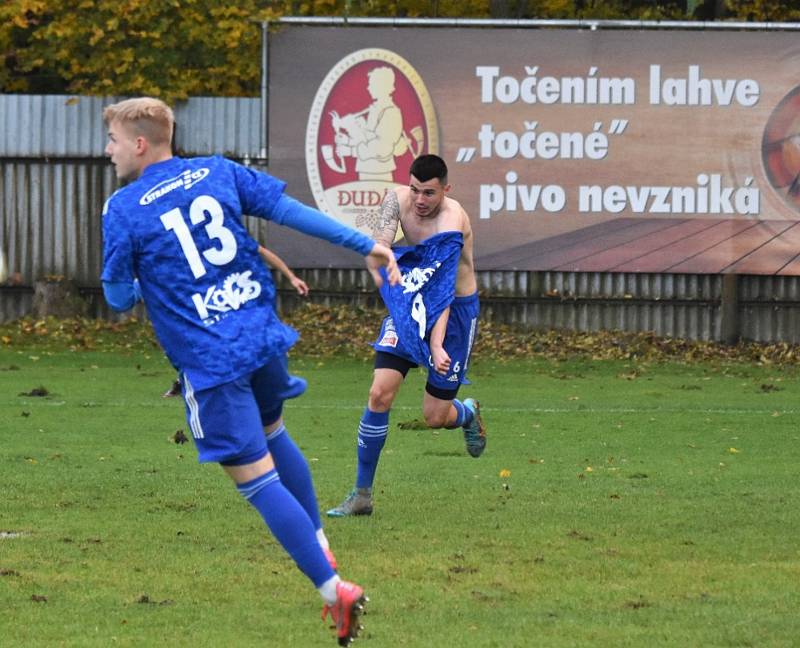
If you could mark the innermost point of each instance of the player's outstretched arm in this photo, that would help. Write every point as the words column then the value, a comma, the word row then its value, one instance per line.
column 382, row 256
column 300, row 217
column 310, row 221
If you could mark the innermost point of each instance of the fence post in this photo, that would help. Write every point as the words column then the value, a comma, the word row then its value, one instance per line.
column 730, row 328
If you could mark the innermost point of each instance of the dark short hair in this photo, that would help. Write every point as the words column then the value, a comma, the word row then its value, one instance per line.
column 427, row 167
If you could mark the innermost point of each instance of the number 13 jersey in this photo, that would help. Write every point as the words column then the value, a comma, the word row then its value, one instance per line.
column 178, row 229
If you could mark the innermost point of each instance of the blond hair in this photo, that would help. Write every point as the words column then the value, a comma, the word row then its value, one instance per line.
column 146, row 116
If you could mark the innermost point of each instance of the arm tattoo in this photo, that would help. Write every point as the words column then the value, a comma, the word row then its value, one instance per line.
column 388, row 218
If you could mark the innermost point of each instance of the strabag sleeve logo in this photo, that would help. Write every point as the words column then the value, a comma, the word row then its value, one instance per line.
column 371, row 117
column 187, row 179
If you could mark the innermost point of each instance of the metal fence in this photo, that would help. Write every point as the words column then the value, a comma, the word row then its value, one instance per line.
column 54, row 179
column 71, row 127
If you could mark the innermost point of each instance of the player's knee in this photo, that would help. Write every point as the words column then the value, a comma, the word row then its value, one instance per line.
column 435, row 418
column 380, row 399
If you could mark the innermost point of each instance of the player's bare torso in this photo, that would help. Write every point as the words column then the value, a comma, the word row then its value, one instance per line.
column 447, row 216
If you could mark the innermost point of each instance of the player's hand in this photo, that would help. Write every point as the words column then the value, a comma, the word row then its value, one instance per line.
column 441, row 360
column 382, row 256
column 299, row 285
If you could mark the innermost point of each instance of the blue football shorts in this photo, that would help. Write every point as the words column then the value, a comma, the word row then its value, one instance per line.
column 462, row 325
column 227, row 421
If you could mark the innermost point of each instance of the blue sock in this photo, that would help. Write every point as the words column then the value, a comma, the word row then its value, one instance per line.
column 463, row 414
column 289, row 524
column 293, row 470
column 372, row 431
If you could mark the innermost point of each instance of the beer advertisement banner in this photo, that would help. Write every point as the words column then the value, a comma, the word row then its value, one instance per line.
column 571, row 150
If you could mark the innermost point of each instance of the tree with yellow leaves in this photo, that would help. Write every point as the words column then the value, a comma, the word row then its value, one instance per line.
column 178, row 48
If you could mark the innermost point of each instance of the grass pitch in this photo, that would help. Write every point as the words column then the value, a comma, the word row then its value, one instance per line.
column 617, row 504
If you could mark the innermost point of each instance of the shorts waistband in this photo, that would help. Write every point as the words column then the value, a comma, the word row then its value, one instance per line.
column 464, row 299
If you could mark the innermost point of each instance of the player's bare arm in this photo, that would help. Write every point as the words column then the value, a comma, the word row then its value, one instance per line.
column 465, row 280
column 274, row 261
column 440, row 357
column 388, row 219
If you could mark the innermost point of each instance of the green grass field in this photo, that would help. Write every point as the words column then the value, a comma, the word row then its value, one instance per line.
column 617, row 504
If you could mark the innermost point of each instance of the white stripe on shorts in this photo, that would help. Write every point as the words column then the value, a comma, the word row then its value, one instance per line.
column 194, row 410
column 472, row 326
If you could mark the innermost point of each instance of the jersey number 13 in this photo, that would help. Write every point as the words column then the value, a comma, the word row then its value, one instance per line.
column 201, row 207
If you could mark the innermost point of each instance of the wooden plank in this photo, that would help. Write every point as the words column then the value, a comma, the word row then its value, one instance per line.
column 618, row 258
column 694, row 245
column 677, row 251
column 725, row 254
column 568, row 259
column 519, row 257
column 773, row 256
column 791, row 268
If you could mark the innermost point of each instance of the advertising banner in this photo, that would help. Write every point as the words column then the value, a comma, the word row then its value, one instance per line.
column 571, row 150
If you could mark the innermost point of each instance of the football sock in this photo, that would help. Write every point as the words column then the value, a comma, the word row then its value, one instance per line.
column 294, row 472
column 323, row 539
column 328, row 590
column 289, row 524
column 372, row 431
column 463, row 414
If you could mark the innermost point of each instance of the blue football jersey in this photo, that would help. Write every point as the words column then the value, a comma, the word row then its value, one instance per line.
column 428, row 286
column 178, row 229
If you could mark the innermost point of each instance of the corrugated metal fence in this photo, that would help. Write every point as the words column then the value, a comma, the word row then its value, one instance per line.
column 54, row 179
column 57, row 126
